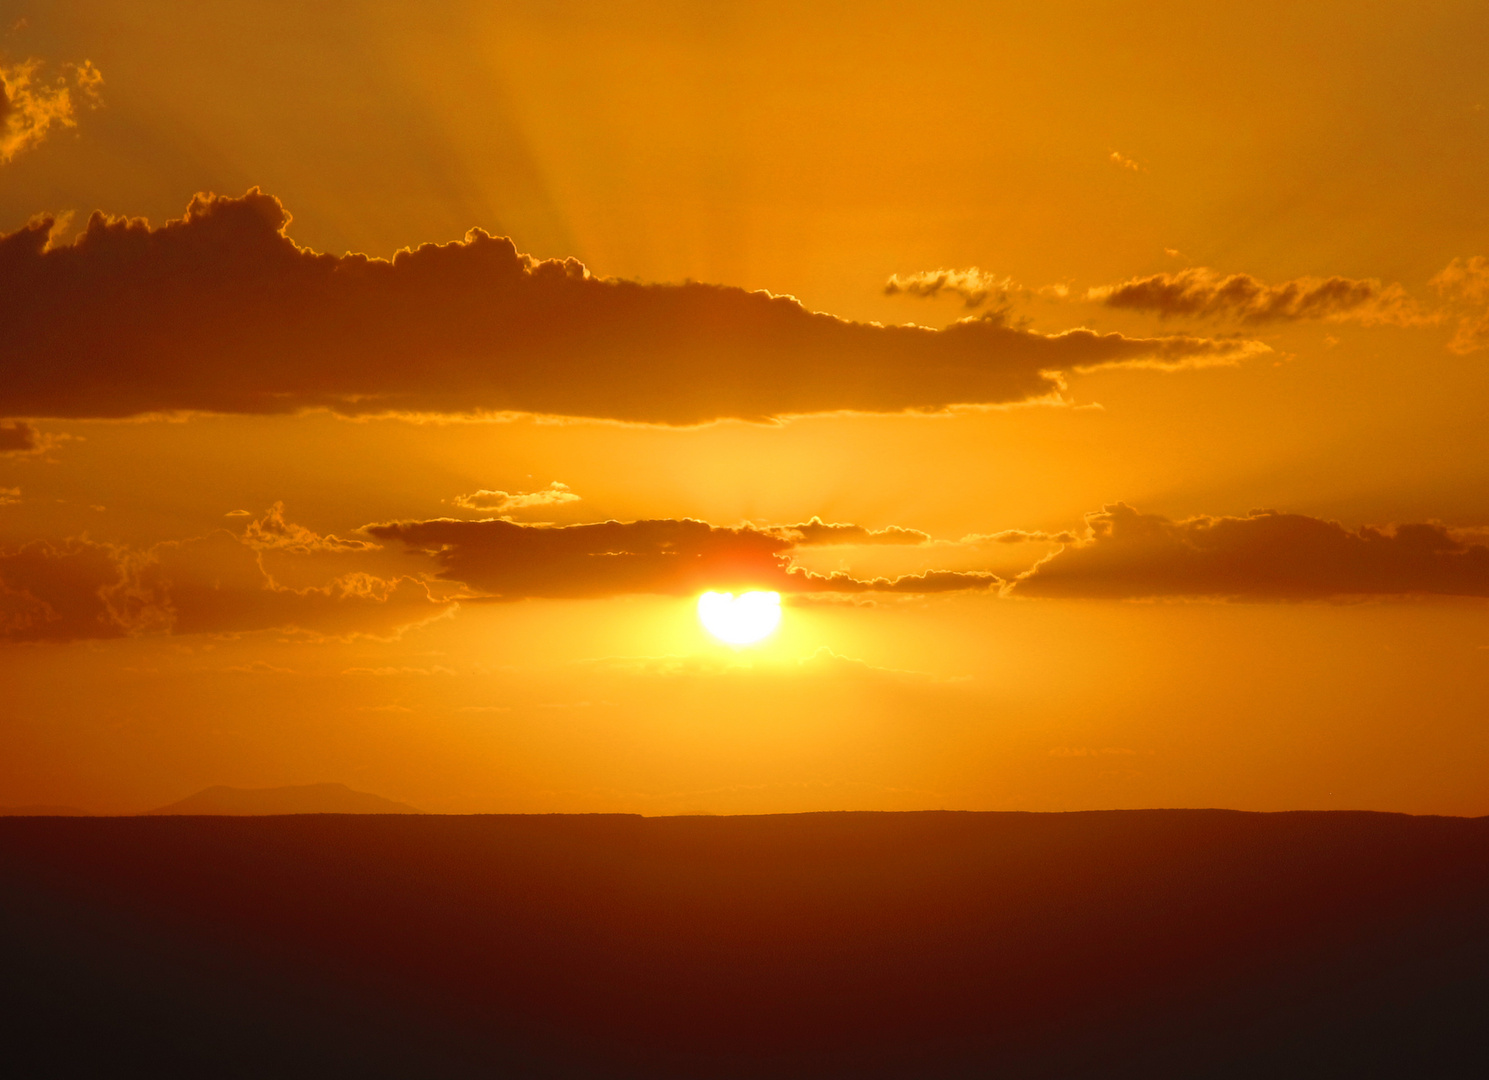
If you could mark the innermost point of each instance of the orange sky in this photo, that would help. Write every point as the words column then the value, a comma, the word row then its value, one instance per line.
column 1147, row 350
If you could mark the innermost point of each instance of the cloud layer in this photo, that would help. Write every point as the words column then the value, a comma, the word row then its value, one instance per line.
column 1263, row 556
column 222, row 312
column 668, row 556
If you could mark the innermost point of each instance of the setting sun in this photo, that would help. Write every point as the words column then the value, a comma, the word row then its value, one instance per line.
column 740, row 620
column 383, row 386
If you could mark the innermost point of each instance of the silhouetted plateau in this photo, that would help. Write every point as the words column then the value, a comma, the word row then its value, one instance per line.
column 298, row 799
column 918, row 945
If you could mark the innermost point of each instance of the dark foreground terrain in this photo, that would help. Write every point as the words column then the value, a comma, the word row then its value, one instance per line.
column 924, row 945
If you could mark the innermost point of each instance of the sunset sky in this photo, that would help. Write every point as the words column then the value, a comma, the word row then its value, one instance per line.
column 1102, row 387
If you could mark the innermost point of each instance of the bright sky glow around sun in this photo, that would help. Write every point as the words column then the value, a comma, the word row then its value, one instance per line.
column 740, row 620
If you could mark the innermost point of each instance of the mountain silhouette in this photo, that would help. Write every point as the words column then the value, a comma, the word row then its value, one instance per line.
column 42, row 811
column 297, row 799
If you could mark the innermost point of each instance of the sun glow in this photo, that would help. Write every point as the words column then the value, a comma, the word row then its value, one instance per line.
column 740, row 620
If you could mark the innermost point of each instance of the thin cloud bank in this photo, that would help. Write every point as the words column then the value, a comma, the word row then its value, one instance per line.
column 30, row 107
column 501, row 502
column 819, row 533
column 1263, row 556
column 1019, row 536
column 76, row 589
column 1202, row 293
column 221, row 311
column 669, row 556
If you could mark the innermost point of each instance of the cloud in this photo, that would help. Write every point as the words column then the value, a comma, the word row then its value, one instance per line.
column 18, row 438
column 668, row 556
column 259, row 667
column 30, row 108
column 501, row 502
column 1019, row 536
column 818, row 533
column 922, row 584
column 272, row 532
column 1464, row 283
column 1264, row 556
column 1121, row 161
column 971, row 284
column 221, row 311
column 9, row 496
column 78, row 589
column 1202, row 293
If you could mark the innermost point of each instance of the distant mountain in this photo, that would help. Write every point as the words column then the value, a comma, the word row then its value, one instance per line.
column 43, row 811
column 300, row 799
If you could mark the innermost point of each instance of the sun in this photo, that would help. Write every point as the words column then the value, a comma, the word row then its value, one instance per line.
column 740, row 620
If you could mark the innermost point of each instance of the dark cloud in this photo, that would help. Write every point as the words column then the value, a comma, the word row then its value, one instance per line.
column 18, row 438
column 931, row 581
column 221, row 312
column 819, row 533
column 1263, row 556
column 1202, row 293
column 76, row 589
column 669, row 556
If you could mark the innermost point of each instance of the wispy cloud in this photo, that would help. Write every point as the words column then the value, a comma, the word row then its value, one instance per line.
column 1200, row 292
column 973, row 285
column 31, row 107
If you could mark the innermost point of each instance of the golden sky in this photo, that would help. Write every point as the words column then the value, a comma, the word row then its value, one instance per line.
column 1103, row 388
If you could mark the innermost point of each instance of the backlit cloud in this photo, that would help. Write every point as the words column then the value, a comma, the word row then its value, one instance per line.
column 817, row 532
column 222, row 312
column 1202, row 293
column 973, row 285
column 31, row 106
column 273, row 531
column 501, row 502
column 76, row 589
column 668, row 556
column 1020, row 536
column 1263, row 556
